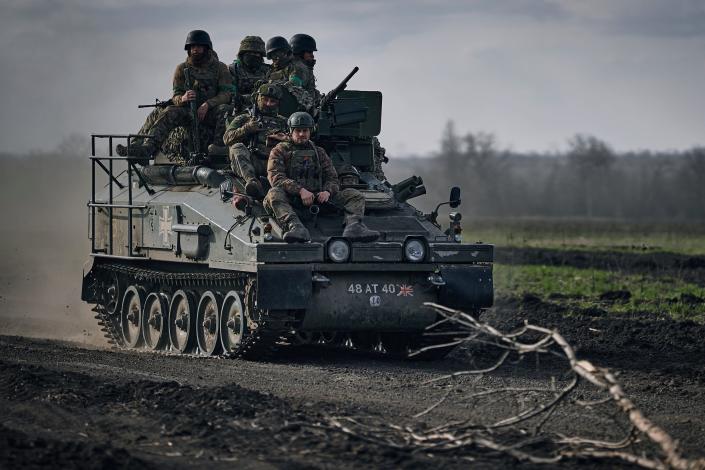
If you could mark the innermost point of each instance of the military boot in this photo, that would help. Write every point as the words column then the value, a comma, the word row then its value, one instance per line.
column 356, row 231
column 254, row 189
column 297, row 233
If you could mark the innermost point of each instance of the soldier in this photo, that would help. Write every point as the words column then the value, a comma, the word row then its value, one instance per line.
column 303, row 46
column 212, row 90
column 301, row 173
column 248, row 69
column 250, row 135
column 284, row 68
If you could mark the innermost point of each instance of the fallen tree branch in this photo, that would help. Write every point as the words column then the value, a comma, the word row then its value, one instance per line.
column 652, row 447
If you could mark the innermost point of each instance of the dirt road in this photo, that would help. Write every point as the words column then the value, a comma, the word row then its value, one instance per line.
column 65, row 405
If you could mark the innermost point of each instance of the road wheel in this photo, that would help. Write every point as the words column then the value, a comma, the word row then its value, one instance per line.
column 182, row 321
column 233, row 325
column 208, row 323
column 155, row 321
column 131, row 316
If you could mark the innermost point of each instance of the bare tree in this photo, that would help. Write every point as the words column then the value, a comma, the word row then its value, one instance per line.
column 592, row 158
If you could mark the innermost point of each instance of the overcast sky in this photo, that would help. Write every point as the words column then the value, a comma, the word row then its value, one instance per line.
column 631, row 72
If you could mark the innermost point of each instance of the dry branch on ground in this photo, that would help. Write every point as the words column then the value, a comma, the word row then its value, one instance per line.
column 530, row 432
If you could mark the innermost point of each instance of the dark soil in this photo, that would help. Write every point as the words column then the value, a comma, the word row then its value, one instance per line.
column 687, row 267
column 69, row 407
column 637, row 340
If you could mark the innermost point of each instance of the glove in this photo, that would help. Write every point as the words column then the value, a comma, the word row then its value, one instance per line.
column 253, row 126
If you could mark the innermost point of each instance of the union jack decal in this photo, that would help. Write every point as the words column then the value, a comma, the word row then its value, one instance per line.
column 405, row 291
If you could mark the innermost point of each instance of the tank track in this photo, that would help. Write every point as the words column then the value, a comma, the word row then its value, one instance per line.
column 267, row 336
column 267, row 333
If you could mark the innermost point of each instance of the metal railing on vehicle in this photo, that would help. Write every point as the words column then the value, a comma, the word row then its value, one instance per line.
column 131, row 168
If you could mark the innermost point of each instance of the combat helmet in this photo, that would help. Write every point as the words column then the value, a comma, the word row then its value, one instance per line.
column 301, row 43
column 276, row 43
column 270, row 90
column 198, row 37
column 253, row 44
column 300, row 120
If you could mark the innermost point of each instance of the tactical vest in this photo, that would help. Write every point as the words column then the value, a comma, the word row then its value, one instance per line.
column 244, row 80
column 304, row 166
column 281, row 74
column 204, row 80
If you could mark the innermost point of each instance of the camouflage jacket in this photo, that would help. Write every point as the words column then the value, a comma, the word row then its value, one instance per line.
column 289, row 71
column 236, row 132
column 244, row 80
column 292, row 167
column 211, row 81
column 308, row 80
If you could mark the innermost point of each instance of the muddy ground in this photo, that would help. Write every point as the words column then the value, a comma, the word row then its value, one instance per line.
column 73, row 405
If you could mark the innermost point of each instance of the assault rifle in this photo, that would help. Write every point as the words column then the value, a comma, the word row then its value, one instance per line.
column 157, row 104
column 254, row 112
column 328, row 99
column 196, row 156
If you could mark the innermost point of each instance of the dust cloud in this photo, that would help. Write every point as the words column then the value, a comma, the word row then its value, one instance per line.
column 44, row 244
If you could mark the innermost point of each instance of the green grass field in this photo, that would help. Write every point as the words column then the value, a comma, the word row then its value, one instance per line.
column 661, row 293
column 580, row 289
column 589, row 235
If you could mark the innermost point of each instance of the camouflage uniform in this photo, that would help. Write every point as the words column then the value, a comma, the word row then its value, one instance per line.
column 213, row 84
column 239, row 136
column 308, row 80
column 288, row 70
column 380, row 157
column 292, row 167
column 246, row 78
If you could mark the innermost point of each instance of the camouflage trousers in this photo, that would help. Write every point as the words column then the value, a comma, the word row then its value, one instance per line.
column 281, row 205
column 246, row 165
column 225, row 114
column 172, row 117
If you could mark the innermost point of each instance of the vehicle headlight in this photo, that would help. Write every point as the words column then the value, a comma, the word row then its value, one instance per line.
column 338, row 251
column 415, row 250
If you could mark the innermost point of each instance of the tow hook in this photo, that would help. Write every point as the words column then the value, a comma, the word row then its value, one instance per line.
column 436, row 279
column 320, row 279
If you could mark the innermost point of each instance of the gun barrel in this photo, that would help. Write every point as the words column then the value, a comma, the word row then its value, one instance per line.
column 350, row 75
column 157, row 104
column 195, row 139
column 341, row 86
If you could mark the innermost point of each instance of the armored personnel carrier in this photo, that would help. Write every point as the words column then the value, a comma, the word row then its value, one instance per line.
column 182, row 260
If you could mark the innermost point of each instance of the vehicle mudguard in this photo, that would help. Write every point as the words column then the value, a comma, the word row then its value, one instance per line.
column 466, row 287
column 284, row 287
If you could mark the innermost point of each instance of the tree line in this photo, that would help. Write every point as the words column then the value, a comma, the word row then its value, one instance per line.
column 587, row 179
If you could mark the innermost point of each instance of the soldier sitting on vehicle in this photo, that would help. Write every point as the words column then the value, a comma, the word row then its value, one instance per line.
column 251, row 136
column 303, row 46
column 248, row 69
column 211, row 89
column 289, row 73
column 302, row 173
